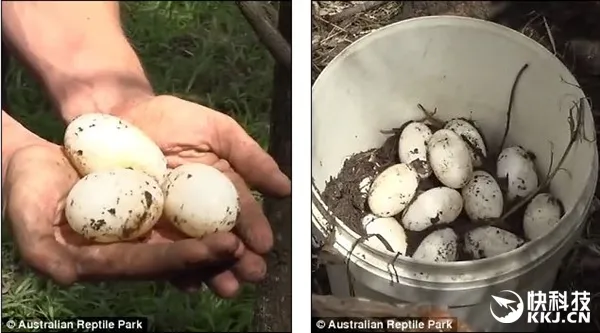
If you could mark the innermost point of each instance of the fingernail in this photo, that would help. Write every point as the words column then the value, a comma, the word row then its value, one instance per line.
column 284, row 184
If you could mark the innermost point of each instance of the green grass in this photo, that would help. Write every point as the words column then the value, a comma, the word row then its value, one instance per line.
column 202, row 51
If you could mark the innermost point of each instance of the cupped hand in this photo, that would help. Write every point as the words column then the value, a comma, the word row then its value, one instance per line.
column 188, row 132
column 37, row 181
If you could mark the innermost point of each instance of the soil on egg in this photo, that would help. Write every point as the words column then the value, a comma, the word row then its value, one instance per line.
column 342, row 195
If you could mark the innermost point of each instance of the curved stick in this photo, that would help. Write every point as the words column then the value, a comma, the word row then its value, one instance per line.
column 279, row 48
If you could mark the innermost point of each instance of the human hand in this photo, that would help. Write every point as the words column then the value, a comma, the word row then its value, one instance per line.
column 187, row 132
column 37, row 181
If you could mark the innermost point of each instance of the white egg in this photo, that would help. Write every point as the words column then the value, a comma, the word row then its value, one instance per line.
column 470, row 134
column 412, row 147
column 541, row 215
column 516, row 168
column 392, row 190
column 450, row 158
column 199, row 200
column 438, row 246
column 100, row 142
column 489, row 241
column 116, row 205
column 434, row 206
column 483, row 197
column 389, row 229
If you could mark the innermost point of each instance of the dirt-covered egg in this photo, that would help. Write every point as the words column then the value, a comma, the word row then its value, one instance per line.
column 99, row 142
column 116, row 205
column 489, row 241
column 392, row 190
column 470, row 134
column 199, row 200
column 434, row 206
column 482, row 197
column 439, row 246
column 389, row 229
column 450, row 158
column 516, row 169
column 412, row 147
column 541, row 215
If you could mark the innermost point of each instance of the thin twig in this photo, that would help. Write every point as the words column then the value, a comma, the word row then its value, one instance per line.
column 549, row 32
column 530, row 22
column 332, row 24
column 551, row 164
column 429, row 116
column 356, row 9
column 575, row 128
column 266, row 32
column 510, row 106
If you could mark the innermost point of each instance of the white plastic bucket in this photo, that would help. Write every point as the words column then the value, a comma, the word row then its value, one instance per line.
column 465, row 68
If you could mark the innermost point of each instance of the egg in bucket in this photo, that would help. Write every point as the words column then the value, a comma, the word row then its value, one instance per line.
column 464, row 69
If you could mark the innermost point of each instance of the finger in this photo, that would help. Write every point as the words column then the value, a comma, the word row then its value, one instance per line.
column 252, row 225
column 224, row 284
column 131, row 260
column 250, row 268
column 49, row 258
column 34, row 237
column 249, row 159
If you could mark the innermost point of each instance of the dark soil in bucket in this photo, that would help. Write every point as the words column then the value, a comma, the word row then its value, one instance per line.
column 343, row 196
column 342, row 193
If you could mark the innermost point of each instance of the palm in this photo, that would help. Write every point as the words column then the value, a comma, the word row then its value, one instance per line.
column 182, row 130
column 37, row 182
column 187, row 132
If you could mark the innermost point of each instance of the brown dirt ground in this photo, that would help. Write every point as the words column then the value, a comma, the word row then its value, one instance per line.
column 571, row 31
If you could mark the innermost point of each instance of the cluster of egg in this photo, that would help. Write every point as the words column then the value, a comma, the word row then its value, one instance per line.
column 126, row 186
column 454, row 154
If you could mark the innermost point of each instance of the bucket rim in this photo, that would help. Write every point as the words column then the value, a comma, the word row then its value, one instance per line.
column 431, row 19
column 533, row 250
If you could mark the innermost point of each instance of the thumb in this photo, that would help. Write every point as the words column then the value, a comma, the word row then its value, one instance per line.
column 36, row 183
column 49, row 258
column 34, row 237
column 249, row 160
